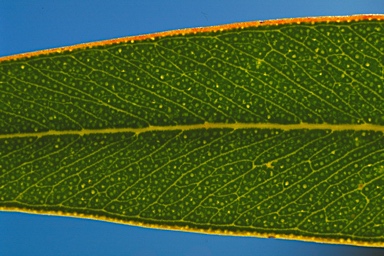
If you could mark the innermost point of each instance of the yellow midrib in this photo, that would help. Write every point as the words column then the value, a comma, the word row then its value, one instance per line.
column 333, row 127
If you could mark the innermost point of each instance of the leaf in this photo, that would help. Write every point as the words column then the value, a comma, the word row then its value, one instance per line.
column 260, row 129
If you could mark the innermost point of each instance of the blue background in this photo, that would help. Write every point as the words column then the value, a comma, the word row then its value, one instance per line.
column 34, row 25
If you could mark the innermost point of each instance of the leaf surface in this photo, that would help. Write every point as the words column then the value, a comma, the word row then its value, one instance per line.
column 264, row 129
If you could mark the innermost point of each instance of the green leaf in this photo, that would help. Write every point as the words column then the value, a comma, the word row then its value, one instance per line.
column 259, row 129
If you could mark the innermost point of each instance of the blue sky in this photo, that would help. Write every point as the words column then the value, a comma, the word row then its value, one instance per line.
column 33, row 25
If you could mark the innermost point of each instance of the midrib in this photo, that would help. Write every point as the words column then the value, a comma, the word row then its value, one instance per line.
column 285, row 127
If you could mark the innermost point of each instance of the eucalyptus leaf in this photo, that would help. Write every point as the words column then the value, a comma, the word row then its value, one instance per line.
column 259, row 129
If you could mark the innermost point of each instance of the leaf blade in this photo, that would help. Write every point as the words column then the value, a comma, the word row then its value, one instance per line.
column 65, row 95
